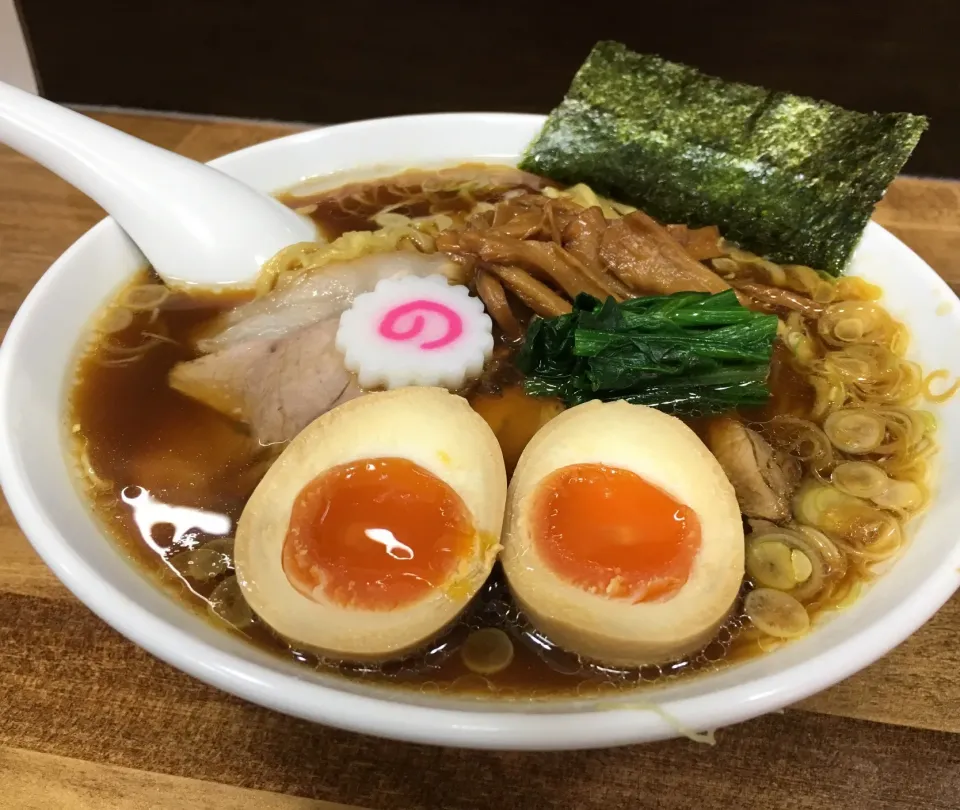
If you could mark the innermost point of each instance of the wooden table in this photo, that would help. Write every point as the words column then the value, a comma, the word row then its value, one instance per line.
column 88, row 720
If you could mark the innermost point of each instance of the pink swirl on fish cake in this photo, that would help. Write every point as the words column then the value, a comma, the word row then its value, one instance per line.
column 454, row 323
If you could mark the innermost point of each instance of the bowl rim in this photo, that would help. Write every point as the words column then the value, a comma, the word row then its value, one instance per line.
column 482, row 728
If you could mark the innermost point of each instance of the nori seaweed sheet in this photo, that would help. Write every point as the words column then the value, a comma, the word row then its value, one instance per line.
column 787, row 177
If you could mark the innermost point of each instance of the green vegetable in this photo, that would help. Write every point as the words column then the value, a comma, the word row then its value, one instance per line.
column 689, row 353
column 787, row 177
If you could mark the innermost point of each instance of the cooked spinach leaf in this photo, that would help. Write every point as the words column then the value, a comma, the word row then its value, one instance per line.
column 688, row 353
column 787, row 177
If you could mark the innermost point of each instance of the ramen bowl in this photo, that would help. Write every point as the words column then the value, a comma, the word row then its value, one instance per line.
column 37, row 359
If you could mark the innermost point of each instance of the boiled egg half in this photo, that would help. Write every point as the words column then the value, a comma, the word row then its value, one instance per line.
column 623, row 540
column 376, row 526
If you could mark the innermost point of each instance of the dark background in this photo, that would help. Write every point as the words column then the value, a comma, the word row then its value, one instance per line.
column 325, row 62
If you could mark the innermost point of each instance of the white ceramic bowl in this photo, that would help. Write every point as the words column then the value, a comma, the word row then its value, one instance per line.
column 38, row 354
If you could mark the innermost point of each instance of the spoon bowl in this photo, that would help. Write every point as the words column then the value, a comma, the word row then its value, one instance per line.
column 197, row 226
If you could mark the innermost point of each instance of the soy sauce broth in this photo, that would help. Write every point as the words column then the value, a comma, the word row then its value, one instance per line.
column 134, row 431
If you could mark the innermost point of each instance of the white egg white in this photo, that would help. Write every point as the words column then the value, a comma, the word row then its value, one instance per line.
column 432, row 428
column 666, row 453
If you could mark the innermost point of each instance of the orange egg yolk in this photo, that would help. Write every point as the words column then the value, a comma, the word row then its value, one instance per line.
column 610, row 532
column 376, row 534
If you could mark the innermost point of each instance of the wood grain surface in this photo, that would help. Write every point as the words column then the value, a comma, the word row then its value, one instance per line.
column 88, row 720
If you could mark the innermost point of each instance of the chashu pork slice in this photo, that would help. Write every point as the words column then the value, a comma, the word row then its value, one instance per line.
column 273, row 362
column 318, row 296
column 278, row 386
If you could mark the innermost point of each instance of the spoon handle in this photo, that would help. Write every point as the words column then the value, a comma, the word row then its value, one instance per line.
column 196, row 225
